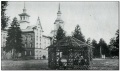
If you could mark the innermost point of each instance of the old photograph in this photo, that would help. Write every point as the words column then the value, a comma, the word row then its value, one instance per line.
column 59, row 35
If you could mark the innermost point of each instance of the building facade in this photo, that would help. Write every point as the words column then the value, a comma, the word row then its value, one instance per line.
column 35, row 43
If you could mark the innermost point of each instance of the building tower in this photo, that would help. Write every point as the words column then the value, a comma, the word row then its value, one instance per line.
column 24, row 19
column 38, row 34
column 58, row 22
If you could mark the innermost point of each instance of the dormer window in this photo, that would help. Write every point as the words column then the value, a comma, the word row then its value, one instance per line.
column 24, row 17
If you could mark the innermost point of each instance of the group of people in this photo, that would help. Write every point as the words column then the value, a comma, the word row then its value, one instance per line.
column 79, row 60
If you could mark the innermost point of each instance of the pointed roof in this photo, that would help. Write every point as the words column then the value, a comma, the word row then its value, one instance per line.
column 24, row 12
column 70, row 42
column 39, row 23
column 59, row 7
column 59, row 12
column 59, row 16
column 24, row 5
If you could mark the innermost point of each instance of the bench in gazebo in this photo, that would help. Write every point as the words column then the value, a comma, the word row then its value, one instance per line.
column 69, row 53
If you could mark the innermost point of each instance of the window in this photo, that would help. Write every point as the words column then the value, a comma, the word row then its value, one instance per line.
column 40, row 39
column 3, row 44
column 25, row 52
column 25, row 44
column 26, row 38
column 40, row 45
column 30, row 53
column 21, row 18
column 36, row 46
column 3, row 37
column 24, row 17
column 30, row 44
column 30, row 37
column 36, row 37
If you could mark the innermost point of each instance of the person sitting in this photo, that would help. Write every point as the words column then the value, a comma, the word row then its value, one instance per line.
column 82, row 62
column 76, row 60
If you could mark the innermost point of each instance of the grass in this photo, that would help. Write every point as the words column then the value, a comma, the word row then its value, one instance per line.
column 105, row 64
column 97, row 64
column 25, row 65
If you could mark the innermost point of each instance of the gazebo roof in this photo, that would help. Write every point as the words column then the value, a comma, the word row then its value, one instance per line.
column 70, row 42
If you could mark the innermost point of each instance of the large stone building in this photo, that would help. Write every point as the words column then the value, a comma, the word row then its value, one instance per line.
column 35, row 43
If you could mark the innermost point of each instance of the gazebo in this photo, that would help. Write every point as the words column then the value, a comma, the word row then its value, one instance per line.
column 69, row 53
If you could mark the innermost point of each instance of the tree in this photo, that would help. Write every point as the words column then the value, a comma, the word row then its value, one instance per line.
column 117, row 39
column 114, row 45
column 104, row 47
column 88, row 41
column 112, row 41
column 4, row 18
column 96, row 50
column 14, row 39
column 113, row 49
column 78, row 34
column 60, row 34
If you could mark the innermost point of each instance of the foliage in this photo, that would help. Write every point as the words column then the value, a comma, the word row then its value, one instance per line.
column 14, row 39
column 112, row 41
column 88, row 41
column 96, row 50
column 104, row 48
column 4, row 18
column 114, row 45
column 78, row 34
column 117, row 39
column 60, row 34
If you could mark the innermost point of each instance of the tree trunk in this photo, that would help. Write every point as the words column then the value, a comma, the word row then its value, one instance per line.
column 14, row 54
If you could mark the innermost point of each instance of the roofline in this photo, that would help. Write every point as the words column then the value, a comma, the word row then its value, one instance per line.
column 46, row 36
column 24, row 15
column 83, row 42
column 27, row 31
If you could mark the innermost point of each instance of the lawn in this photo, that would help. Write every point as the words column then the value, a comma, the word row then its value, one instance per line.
column 97, row 64
column 24, row 65
column 105, row 64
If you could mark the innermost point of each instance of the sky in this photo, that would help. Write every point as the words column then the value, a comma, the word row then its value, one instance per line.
column 96, row 19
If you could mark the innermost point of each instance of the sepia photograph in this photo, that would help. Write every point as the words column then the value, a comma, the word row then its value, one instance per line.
column 59, row 35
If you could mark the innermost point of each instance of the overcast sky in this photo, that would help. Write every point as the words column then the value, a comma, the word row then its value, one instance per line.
column 96, row 19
